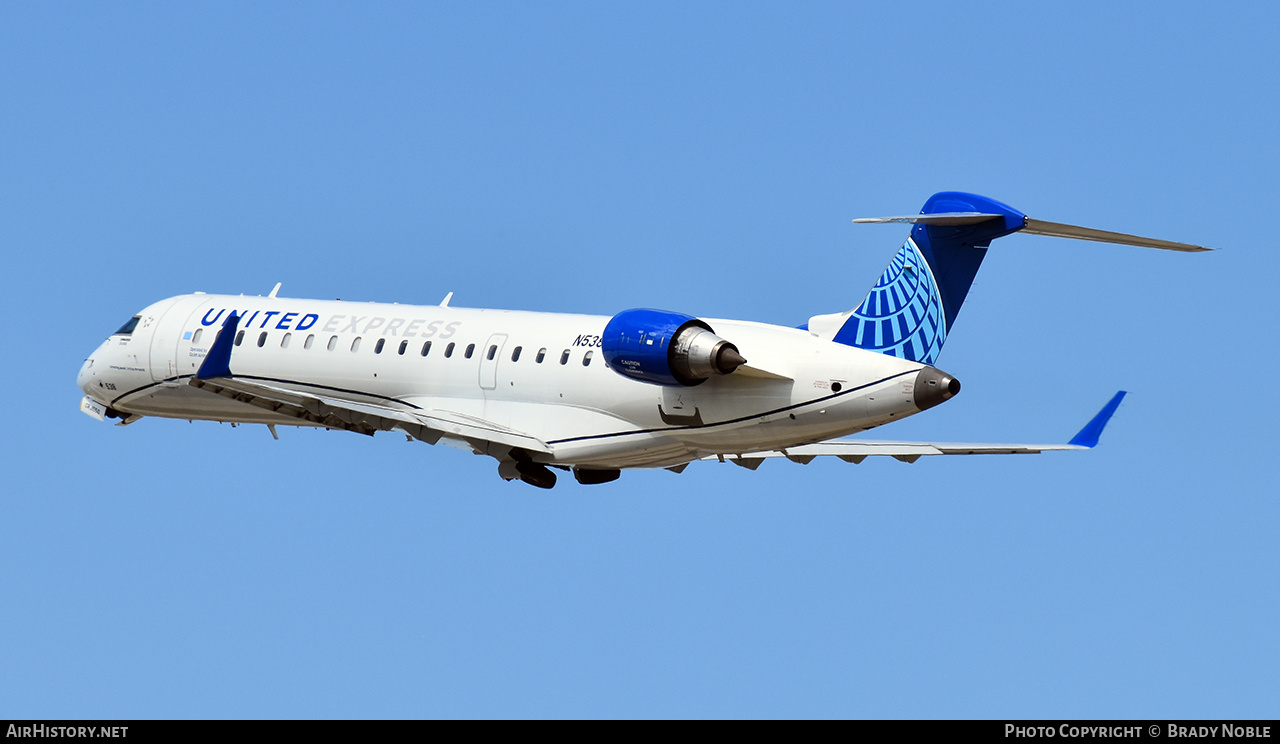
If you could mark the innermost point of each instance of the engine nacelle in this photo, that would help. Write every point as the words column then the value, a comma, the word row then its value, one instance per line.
column 666, row 348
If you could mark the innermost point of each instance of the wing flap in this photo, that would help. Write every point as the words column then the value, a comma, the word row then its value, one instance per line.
column 307, row 409
column 461, row 425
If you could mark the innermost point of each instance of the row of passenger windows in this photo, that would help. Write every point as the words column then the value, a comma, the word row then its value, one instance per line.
column 404, row 347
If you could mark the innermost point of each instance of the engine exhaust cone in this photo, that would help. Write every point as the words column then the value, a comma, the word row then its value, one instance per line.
column 729, row 359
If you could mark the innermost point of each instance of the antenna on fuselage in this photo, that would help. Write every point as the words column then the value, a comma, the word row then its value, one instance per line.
column 445, row 301
column 275, row 289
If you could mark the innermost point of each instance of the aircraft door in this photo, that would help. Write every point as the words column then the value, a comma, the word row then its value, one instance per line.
column 489, row 356
column 194, row 339
column 166, row 331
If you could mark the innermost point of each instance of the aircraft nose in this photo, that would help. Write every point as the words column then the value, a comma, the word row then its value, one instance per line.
column 933, row 386
column 85, row 378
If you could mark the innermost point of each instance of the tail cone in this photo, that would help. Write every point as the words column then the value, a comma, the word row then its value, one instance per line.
column 933, row 386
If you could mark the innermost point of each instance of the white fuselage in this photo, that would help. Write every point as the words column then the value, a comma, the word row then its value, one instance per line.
column 542, row 374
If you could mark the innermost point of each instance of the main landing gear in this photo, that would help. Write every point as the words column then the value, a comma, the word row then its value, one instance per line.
column 537, row 474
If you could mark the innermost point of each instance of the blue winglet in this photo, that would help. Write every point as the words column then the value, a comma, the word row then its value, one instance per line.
column 1088, row 436
column 217, row 363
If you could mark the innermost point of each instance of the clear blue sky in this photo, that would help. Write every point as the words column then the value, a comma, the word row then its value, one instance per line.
column 706, row 158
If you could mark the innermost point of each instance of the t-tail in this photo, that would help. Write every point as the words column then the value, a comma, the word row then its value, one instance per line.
column 912, row 308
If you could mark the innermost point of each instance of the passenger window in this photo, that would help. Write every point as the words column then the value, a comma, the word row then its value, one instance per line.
column 426, row 348
column 492, row 351
column 355, row 345
column 196, row 338
column 471, row 349
column 403, row 345
column 284, row 341
column 515, row 355
column 448, row 350
column 542, row 354
column 333, row 343
column 311, row 339
column 586, row 359
column 239, row 338
column 262, row 339
column 377, row 348
column 564, row 358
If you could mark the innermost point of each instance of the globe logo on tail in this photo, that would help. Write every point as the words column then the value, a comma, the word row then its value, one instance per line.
column 902, row 315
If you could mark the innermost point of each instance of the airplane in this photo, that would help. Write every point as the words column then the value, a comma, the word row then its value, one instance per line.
column 593, row 395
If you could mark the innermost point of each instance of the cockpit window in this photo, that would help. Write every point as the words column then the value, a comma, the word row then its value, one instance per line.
column 127, row 328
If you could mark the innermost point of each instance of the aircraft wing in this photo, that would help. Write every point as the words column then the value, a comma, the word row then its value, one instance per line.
column 421, row 418
column 857, row 450
column 426, row 424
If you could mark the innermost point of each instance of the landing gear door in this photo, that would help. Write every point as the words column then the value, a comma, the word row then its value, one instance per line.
column 489, row 357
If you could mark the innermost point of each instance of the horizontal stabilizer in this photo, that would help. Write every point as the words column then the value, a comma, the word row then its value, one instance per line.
column 943, row 218
column 1032, row 227
column 1059, row 230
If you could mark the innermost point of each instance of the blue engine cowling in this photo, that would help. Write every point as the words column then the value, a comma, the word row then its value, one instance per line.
column 666, row 348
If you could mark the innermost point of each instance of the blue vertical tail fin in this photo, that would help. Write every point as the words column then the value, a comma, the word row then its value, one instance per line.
column 912, row 308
